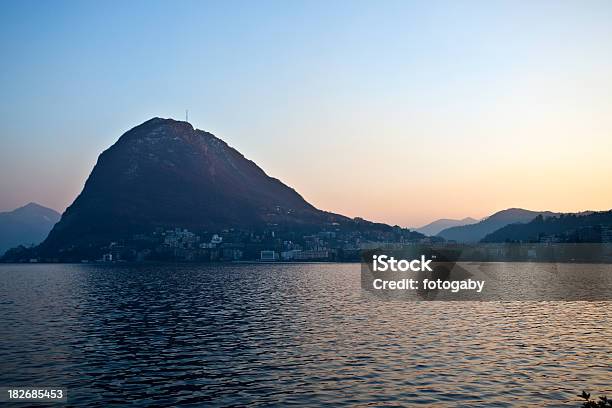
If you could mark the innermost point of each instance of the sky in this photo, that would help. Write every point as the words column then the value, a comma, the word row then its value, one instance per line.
column 400, row 112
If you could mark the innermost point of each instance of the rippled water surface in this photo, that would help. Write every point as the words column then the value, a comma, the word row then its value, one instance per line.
column 279, row 334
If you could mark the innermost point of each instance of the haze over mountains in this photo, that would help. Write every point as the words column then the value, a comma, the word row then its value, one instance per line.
column 433, row 228
column 476, row 232
column 27, row 225
column 587, row 226
column 164, row 175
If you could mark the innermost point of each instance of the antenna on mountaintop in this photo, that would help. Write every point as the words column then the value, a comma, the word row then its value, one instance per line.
column 186, row 115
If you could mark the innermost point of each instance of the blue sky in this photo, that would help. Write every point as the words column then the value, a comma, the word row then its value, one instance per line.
column 477, row 106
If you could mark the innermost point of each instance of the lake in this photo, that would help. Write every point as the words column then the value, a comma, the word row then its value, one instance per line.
column 278, row 334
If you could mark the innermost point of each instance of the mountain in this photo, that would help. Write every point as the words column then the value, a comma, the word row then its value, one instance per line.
column 164, row 174
column 27, row 225
column 435, row 227
column 582, row 227
column 476, row 232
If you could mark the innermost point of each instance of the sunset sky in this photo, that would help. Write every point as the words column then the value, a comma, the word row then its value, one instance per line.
column 401, row 112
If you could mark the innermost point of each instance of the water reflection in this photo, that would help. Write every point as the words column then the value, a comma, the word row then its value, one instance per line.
column 278, row 334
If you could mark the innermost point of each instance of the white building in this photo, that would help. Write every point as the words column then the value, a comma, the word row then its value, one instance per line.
column 268, row 256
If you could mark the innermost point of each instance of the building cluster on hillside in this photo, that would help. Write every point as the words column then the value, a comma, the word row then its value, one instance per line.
column 271, row 244
column 589, row 234
column 274, row 244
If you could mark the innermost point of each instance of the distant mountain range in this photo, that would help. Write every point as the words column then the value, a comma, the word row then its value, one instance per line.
column 476, row 232
column 435, row 227
column 165, row 175
column 583, row 227
column 27, row 225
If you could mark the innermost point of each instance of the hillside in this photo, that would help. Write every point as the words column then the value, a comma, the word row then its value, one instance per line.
column 27, row 225
column 476, row 232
